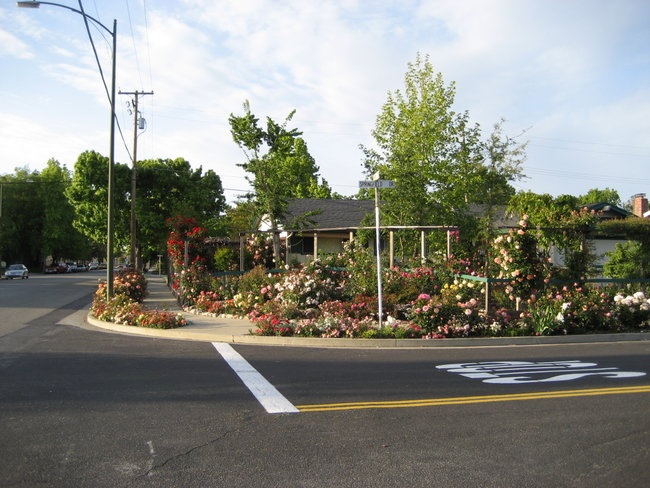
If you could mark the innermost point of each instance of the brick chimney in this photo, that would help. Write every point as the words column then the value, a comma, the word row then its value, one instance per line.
column 640, row 204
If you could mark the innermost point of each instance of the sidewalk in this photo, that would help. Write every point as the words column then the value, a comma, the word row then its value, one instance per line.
column 219, row 329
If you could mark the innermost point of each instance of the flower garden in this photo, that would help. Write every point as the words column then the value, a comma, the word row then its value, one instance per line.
column 125, row 306
column 317, row 301
column 336, row 296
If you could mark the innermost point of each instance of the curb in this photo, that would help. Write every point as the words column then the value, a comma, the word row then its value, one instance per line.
column 204, row 335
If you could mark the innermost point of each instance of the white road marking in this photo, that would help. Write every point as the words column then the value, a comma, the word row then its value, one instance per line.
column 271, row 399
column 510, row 372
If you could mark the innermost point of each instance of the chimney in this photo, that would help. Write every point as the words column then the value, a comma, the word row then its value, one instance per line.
column 640, row 204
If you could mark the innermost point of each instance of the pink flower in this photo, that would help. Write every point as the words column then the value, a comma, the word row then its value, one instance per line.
column 423, row 296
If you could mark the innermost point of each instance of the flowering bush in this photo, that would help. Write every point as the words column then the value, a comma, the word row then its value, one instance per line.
column 401, row 285
column 306, row 287
column 157, row 319
column 343, row 319
column 259, row 251
column 210, row 302
column 632, row 310
column 192, row 281
column 439, row 318
column 185, row 230
column 125, row 306
column 519, row 262
column 131, row 284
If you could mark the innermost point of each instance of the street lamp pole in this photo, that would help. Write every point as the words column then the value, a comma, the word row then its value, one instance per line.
column 111, row 157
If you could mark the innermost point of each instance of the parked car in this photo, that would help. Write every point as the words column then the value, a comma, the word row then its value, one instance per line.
column 93, row 266
column 17, row 271
column 56, row 268
column 72, row 267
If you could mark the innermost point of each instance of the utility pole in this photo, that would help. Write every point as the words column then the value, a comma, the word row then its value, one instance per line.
column 138, row 123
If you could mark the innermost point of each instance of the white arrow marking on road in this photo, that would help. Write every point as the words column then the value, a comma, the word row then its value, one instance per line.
column 267, row 394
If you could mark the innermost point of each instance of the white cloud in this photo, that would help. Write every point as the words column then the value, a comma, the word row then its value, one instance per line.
column 10, row 45
column 576, row 70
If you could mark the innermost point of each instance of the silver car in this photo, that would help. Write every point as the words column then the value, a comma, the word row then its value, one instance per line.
column 17, row 271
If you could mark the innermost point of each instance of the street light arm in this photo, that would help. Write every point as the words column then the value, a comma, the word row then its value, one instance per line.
column 35, row 4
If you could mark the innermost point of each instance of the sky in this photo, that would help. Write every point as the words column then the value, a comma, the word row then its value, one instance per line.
column 571, row 77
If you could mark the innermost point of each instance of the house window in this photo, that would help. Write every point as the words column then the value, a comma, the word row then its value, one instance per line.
column 301, row 244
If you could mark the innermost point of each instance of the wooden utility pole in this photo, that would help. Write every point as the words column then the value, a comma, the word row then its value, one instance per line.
column 138, row 123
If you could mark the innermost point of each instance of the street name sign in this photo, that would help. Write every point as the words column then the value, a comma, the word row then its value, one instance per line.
column 376, row 184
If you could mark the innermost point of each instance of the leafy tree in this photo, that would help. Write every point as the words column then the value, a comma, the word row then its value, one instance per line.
column 595, row 195
column 168, row 188
column 36, row 219
column 501, row 164
column 21, row 218
column 435, row 156
column 631, row 260
column 60, row 239
column 88, row 194
column 243, row 217
column 279, row 165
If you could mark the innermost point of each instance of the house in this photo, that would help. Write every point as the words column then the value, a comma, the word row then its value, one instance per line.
column 319, row 225
column 313, row 226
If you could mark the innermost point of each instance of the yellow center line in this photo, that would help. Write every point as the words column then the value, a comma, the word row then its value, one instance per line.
column 430, row 402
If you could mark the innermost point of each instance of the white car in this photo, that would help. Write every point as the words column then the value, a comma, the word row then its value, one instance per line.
column 17, row 271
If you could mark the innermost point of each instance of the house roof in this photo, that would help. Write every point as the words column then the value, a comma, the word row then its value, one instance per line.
column 608, row 210
column 322, row 213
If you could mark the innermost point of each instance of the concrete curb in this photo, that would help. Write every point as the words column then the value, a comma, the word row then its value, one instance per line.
column 212, row 335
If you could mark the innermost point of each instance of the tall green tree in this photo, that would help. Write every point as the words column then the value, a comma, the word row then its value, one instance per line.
column 36, row 218
column 88, row 194
column 278, row 164
column 21, row 218
column 436, row 156
column 168, row 188
column 60, row 239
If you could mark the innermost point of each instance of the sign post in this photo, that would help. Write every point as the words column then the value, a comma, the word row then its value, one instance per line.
column 376, row 183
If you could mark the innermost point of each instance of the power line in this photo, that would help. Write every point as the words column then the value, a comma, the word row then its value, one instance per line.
column 135, row 50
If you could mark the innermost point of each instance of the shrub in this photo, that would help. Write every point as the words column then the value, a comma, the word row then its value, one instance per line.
column 193, row 281
column 519, row 261
column 125, row 306
column 632, row 311
column 131, row 284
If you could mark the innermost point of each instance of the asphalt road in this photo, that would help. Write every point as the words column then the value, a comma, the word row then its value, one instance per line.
column 81, row 407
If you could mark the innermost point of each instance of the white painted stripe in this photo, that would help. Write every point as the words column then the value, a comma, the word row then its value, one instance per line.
column 270, row 398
